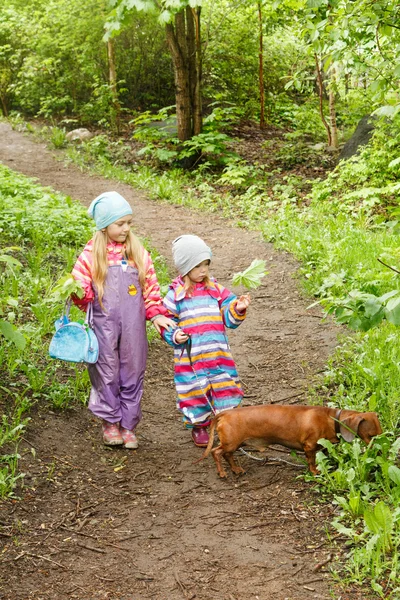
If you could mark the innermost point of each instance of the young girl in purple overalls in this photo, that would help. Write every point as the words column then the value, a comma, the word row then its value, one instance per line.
column 118, row 278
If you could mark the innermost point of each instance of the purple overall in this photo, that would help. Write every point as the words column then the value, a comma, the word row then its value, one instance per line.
column 117, row 377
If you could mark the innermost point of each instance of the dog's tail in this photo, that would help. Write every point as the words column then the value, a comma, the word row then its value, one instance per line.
column 210, row 441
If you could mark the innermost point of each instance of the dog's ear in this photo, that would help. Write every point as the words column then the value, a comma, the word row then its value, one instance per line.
column 352, row 423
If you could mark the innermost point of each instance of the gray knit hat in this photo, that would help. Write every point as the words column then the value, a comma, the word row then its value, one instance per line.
column 188, row 252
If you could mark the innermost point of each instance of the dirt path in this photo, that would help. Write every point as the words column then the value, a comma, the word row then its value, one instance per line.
column 161, row 527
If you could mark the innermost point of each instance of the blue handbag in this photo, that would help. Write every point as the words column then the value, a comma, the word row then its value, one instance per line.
column 73, row 341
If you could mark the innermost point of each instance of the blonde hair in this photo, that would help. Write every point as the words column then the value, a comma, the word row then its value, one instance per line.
column 133, row 251
column 188, row 284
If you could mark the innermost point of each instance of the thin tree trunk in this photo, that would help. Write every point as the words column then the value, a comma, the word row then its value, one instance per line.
column 332, row 118
column 112, row 74
column 191, row 57
column 177, row 43
column 4, row 105
column 261, row 67
column 321, row 106
column 198, row 75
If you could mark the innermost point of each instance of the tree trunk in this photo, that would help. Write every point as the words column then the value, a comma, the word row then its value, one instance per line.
column 176, row 38
column 332, row 118
column 184, row 41
column 4, row 105
column 321, row 106
column 261, row 68
column 112, row 74
column 197, row 75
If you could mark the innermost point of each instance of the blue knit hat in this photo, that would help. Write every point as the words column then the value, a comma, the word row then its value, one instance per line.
column 108, row 208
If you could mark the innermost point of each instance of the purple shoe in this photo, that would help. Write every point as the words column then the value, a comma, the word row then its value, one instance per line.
column 200, row 436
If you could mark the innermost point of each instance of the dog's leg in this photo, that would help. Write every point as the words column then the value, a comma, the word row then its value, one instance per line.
column 235, row 468
column 217, row 453
column 310, row 452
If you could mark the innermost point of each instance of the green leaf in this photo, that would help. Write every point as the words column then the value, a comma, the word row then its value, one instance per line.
column 66, row 286
column 12, row 334
column 384, row 111
column 394, row 163
column 392, row 310
column 165, row 17
column 10, row 260
column 394, row 474
column 356, row 323
column 252, row 276
column 380, row 520
column 315, row 3
column 388, row 295
column 372, row 306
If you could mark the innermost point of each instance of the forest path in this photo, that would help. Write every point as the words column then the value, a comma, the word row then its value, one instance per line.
column 162, row 527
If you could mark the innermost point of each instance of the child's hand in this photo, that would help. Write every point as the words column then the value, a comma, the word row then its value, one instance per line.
column 164, row 322
column 181, row 337
column 243, row 302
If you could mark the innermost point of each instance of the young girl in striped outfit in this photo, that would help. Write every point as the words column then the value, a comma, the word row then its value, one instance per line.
column 206, row 379
column 118, row 278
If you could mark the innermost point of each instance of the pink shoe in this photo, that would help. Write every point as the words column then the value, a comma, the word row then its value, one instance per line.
column 111, row 434
column 129, row 438
column 200, row 436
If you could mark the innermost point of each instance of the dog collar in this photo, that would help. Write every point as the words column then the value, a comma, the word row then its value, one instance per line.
column 337, row 419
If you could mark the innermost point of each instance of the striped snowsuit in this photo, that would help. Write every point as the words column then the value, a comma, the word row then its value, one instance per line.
column 208, row 376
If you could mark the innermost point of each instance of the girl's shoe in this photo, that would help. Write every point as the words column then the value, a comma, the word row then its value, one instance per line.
column 111, row 434
column 129, row 439
column 200, row 436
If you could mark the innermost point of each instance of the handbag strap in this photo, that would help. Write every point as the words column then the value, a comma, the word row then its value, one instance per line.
column 89, row 312
column 67, row 308
column 89, row 315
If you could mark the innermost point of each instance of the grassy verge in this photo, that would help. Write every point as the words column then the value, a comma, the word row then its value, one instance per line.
column 41, row 233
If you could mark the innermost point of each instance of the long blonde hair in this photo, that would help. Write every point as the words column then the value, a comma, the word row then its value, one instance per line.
column 134, row 251
column 188, row 284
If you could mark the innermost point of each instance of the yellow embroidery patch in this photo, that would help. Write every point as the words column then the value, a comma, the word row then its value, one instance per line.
column 132, row 291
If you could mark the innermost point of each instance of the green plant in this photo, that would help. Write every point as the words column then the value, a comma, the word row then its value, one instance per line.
column 9, row 475
column 58, row 137
column 361, row 310
column 210, row 144
column 7, row 329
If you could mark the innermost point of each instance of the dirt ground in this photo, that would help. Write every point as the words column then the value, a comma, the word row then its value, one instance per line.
column 97, row 523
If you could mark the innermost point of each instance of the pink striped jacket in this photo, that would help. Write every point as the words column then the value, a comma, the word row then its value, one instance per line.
column 82, row 272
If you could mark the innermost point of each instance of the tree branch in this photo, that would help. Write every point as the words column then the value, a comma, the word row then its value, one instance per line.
column 388, row 266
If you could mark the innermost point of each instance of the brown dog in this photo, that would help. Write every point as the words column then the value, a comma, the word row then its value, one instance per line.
column 297, row 427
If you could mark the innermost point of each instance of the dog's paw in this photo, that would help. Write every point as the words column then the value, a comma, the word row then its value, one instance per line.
column 223, row 474
column 238, row 470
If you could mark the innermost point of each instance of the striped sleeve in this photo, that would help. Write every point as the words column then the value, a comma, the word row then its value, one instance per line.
column 173, row 313
column 82, row 272
column 151, row 291
column 231, row 317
